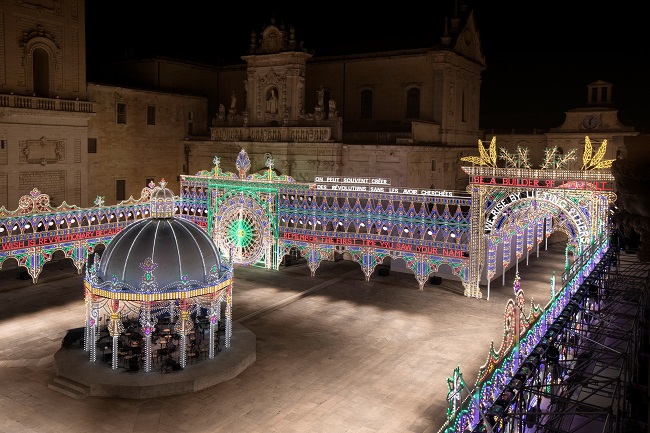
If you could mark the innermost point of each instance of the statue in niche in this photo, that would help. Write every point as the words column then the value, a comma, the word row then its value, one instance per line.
column 320, row 93
column 332, row 114
column 233, row 101
column 272, row 103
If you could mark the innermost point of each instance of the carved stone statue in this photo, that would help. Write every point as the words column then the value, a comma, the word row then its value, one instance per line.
column 332, row 114
column 272, row 103
column 233, row 101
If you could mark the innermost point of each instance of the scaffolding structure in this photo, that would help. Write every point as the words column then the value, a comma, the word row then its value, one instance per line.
column 587, row 373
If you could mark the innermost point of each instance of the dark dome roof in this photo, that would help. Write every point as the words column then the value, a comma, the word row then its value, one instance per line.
column 159, row 254
column 175, row 253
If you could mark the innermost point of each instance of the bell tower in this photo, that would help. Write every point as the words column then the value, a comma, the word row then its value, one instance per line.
column 275, row 77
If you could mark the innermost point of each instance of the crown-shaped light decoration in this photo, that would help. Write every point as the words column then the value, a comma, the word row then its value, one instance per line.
column 185, row 281
column 243, row 164
column 214, row 312
column 516, row 284
column 99, row 201
column 115, row 325
column 456, row 384
column 147, row 323
column 162, row 202
column 213, row 274
column 92, row 269
column 217, row 166
column 184, row 324
column 148, row 283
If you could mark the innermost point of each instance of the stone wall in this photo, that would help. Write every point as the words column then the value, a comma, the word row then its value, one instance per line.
column 136, row 151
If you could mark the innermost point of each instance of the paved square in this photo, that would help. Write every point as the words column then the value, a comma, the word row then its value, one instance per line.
column 335, row 353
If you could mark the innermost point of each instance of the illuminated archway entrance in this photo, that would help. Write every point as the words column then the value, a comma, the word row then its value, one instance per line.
column 520, row 205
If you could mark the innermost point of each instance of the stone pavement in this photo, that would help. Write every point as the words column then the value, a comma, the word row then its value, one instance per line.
column 334, row 353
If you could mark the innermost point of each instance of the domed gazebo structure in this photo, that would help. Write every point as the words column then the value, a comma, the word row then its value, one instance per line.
column 156, row 293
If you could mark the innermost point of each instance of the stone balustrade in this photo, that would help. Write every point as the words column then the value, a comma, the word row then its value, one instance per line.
column 285, row 134
column 54, row 104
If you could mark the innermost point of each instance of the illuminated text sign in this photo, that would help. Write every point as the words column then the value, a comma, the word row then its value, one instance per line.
column 44, row 238
column 539, row 183
column 396, row 246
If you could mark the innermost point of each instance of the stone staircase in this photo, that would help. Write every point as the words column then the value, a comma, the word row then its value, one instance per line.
column 69, row 387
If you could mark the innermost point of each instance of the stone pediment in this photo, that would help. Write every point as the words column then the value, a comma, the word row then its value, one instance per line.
column 468, row 41
column 274, row 39
column 591, row 120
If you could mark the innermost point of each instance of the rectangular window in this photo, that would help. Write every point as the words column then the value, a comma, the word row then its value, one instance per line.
column 463, row 108
column 594, row 94
column 3, row 143
column 433, row 165
column 92, row 145
column 120, row 189
column 151, row 115
column 121, row 113
column 413, row 103
column 366, row 104
column 190, row 125
column 603, row 94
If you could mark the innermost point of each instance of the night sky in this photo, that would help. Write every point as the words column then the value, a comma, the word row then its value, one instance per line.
column 540, row 55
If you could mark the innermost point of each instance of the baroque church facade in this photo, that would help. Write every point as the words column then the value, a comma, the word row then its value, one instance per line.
column 407, row 115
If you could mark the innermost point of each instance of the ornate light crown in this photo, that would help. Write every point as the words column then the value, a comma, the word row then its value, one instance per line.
column 163, row 204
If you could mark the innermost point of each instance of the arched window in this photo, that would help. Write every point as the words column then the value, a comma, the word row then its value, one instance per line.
column 366, row 104
column 41, row 72
column 413, row 103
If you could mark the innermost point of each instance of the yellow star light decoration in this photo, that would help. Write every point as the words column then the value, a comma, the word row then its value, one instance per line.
column 591, row 160
column 487, row 157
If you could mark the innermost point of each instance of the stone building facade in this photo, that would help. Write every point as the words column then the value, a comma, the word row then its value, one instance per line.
column 597, row 119
column 136, row 137
column 407, row 115
column 44, row 109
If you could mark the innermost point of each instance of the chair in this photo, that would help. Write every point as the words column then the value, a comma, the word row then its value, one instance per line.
column 203, row 326
column 203, row 351
column 192, row 355
column 217, row 343
column 134, row 364
column 167, row 366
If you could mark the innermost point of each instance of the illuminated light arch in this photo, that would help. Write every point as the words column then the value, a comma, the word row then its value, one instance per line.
column 575, row 225
column 259, row 217
column 574, row 202
column 10, row 259
column 241, row 227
